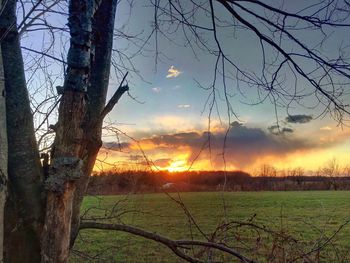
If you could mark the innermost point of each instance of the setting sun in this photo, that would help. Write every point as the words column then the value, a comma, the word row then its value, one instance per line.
column 177, row 166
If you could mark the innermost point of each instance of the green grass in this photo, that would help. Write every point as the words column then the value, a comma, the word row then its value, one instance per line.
column 307, row 216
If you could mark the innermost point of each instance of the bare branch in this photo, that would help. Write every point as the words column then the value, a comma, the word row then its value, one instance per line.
column 115, row 98
column 174, row 245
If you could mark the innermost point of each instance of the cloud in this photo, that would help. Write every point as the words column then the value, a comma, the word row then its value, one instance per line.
column 236, row 124
column 183, row 106
column 136, row 158
column 278, row 130
column 173, row 72
column 326, row 128
column 300, row 118
column 163, row 163
column 244, row 146
column 116, row 146
column 156, row 89
column 287, row 130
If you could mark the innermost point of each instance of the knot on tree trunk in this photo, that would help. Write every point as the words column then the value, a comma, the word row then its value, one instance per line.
column 62, row 170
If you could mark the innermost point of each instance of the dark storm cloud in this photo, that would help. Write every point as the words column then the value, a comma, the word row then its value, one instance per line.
column 301, row 118
column 245, row 145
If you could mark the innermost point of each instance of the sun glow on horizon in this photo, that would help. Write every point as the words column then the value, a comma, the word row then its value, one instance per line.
column 178, row 163
column 177, row 166
column 308, row 160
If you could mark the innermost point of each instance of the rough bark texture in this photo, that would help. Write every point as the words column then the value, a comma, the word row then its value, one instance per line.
column 65, row 169
column 3, row 155
column 61, row 204
column 66, row 166
column 24, row 206
column 100, row 70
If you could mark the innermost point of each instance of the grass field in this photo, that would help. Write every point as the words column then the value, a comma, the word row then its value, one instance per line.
column 310, row 217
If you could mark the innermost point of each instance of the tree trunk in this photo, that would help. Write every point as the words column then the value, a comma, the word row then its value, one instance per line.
column 24, row 205
column 66, row 165
column 65, row 168
column 43, row 235
column 103, row 27
column 3, row 155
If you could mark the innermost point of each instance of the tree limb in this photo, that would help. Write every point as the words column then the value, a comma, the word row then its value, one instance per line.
column 115, row 98
column 174, row 245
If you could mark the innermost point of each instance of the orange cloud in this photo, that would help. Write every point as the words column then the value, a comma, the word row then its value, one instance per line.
column 173, row 72
column 246, row 148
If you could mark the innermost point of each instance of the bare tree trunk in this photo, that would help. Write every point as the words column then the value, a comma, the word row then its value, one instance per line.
column 66, row 165
column 3, row 155
column 24, row 204
column 39, row 234
column 103, row 27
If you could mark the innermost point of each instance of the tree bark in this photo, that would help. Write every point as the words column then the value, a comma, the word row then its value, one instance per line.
column 103, row 27
column 66, row 165
column 24, row 205
column 3, row 154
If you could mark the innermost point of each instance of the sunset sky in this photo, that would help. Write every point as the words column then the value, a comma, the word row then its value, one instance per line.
column 170, row 116
column 171, row 124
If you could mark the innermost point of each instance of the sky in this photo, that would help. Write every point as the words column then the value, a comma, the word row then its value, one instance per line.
column 167, row 122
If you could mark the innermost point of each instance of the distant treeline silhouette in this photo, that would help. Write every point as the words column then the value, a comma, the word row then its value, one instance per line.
column 107, row 183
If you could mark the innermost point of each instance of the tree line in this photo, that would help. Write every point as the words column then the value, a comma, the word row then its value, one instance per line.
column 111, row 183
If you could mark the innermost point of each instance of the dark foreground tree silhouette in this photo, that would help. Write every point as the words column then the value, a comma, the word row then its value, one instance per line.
column 41, row 217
